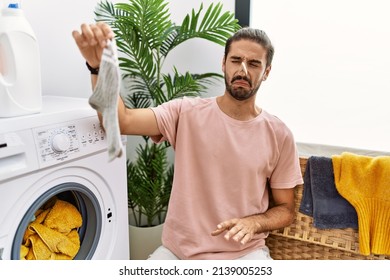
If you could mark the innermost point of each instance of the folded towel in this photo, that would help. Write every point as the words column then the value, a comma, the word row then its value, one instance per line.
column 321, row 200
column 365, row 182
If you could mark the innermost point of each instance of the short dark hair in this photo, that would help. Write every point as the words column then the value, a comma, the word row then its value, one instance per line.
column 255, row 35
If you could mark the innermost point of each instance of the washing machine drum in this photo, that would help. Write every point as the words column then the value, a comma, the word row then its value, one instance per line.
column 63, row 223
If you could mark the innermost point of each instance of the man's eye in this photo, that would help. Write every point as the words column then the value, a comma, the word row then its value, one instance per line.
column 254, row 64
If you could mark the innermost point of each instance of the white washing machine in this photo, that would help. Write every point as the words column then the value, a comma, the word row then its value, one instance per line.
column 62, row 152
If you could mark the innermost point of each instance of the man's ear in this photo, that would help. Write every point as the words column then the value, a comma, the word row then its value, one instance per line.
column 223, row 64
column 266, row 73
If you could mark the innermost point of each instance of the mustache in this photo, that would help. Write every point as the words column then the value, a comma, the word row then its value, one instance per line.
column 239, row 77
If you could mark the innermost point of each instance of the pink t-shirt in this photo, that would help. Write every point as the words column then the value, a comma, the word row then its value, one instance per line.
column 221, row 170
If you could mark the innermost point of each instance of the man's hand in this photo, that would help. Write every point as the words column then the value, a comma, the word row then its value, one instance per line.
column 280, row 215
column 92, row 40
column 240, row 230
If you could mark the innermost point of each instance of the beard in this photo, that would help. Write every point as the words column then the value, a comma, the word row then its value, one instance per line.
column 240, row 93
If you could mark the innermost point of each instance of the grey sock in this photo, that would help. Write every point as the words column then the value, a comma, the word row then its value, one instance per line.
column 105, row 98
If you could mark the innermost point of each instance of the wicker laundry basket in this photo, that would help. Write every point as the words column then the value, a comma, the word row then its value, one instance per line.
column 302, row 241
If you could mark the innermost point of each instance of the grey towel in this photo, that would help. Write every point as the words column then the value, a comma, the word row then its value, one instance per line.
column 321, row 200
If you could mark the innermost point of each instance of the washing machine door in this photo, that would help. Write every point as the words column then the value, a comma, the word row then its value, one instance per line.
column 99, row 196
column 88, row 233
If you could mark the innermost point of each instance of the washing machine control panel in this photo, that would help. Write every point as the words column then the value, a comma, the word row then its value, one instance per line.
column 57, row 143
column 69, row 140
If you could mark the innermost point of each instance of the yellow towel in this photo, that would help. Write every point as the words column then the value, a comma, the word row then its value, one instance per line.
column 38, row 249
column 23, row 252
column 40, row 216
column 63, row 217
column 53, row 234
column 57, row 242
column 365, row 182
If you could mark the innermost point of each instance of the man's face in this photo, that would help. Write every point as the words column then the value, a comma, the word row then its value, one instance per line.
column 245, row 69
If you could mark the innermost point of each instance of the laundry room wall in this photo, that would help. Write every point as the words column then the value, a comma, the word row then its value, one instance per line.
column 330, row 74
column 63, row 69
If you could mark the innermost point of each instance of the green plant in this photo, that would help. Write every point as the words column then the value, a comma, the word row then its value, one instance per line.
column 149, row 183
column 145, row 36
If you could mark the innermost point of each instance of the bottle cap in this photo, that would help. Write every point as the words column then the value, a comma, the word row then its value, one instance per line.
column 13, row 6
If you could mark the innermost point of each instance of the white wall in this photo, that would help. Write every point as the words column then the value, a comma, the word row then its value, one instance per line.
column 330, row 79
column 63, row 69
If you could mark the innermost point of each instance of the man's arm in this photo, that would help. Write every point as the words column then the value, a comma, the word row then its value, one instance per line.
column 91, row 41
column 280, row 215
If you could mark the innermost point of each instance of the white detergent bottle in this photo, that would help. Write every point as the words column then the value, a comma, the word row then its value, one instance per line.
column 20, row 70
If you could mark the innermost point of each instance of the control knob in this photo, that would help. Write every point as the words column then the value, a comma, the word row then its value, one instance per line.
column 60, row 142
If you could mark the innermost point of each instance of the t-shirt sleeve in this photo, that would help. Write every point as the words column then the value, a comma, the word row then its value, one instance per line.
column 287, row 172
column 167, row 116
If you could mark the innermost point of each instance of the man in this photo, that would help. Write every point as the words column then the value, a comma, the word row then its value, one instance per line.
column 227, row 150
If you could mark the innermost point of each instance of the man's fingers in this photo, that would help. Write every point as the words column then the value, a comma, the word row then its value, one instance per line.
column 234, row 232
column 106, row 29
column 99, row 35
column 226, row 225
column 81, row 43
column 247, row 237
column 91, row 40
column 93, row 34
column 239, row 235
column 237, row 229
column 217, row 231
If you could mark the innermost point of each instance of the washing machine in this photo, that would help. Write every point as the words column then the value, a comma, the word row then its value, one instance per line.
column 62, row 153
